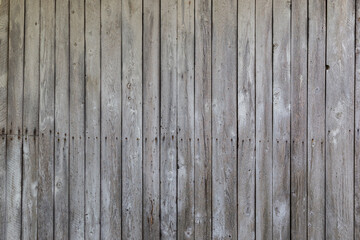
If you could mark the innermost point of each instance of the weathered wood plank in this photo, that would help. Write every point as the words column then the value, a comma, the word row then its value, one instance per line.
column 264, row 116
column 16, row 67
column 3, row 172
column 168, row 171
column 185, row 120
column 29, row 187
column 111, row 119
column 246, row 119
column 13, row 187
column 132, row 119
column 31, row 120
column 4, row 23
column 46, row 121
column 340, row 120
column 4, row 44
column 151, row 119
column 62, row 117
column 281, row 119
column 299, row 119
column 357, row 123
column 316, row 120
column 77, row 120
column 31, row 69
column 203, row 119
column 224, row 119
column 93, row 105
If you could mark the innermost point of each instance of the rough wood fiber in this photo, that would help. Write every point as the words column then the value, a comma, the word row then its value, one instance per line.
column 62, row 97
column 357, row 123
column 202, row 139
column 299, row 119
column 93, row 104
column 340, row 120
column 281, row 119
column 264, row 116
column 246, row 119
column 46, row 121
column 111, row 119
column 132, row 119
column 316, row 120
column 168, row 125
column 185, row 120
column 4, row 32
column 224, row 120
column 151, row 119
column 29, row 187
column 77, row 120
column 13, row 187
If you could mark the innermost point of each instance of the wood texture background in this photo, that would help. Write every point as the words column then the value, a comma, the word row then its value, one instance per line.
column 180, row 119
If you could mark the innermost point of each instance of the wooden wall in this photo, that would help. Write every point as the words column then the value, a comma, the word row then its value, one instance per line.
column 180, row 119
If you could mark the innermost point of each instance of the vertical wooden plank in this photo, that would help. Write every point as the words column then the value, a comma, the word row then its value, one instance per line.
column 264, row 116
column 203, row 119
column 224, row 119
column 92, row 165
column 299, row 119
column 186, row 118
column 3, row 164
column 4, row 23
column 13, row 187
column 340, row 120
column 31, row 119
column 62, row 98
column 77, row 115
column 15, row 120
column 46, row 121
column 29, row 192
column 246, row 119
column 111, row 119
column 281, row 119
column 357, row 123
column 316, row 120
column 16, row 67
column 168, row 171
column 132, row 119
column 151, row 119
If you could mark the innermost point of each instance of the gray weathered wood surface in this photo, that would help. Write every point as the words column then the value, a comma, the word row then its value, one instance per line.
column 179, row 119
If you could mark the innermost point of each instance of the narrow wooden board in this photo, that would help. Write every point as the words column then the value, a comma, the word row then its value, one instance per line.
column 46, row 121
column 31, row 119
column 62, row 117
column 202, row 169
column 299, row 119
column 13, row 187
column 132, row 119
column 151, row 120
column 3, row 170
column 4, row 50
column 29, row 187
column 93, row 105
column 16, row 67
column 77, row 120
column 168, row 169
column 185, row 119
column 281, row 119
column 111, row 119
column 357, row 123
column 224, row 119
column 316, row 120
column 264, row 116
column 246, row 119
column 340, row 120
